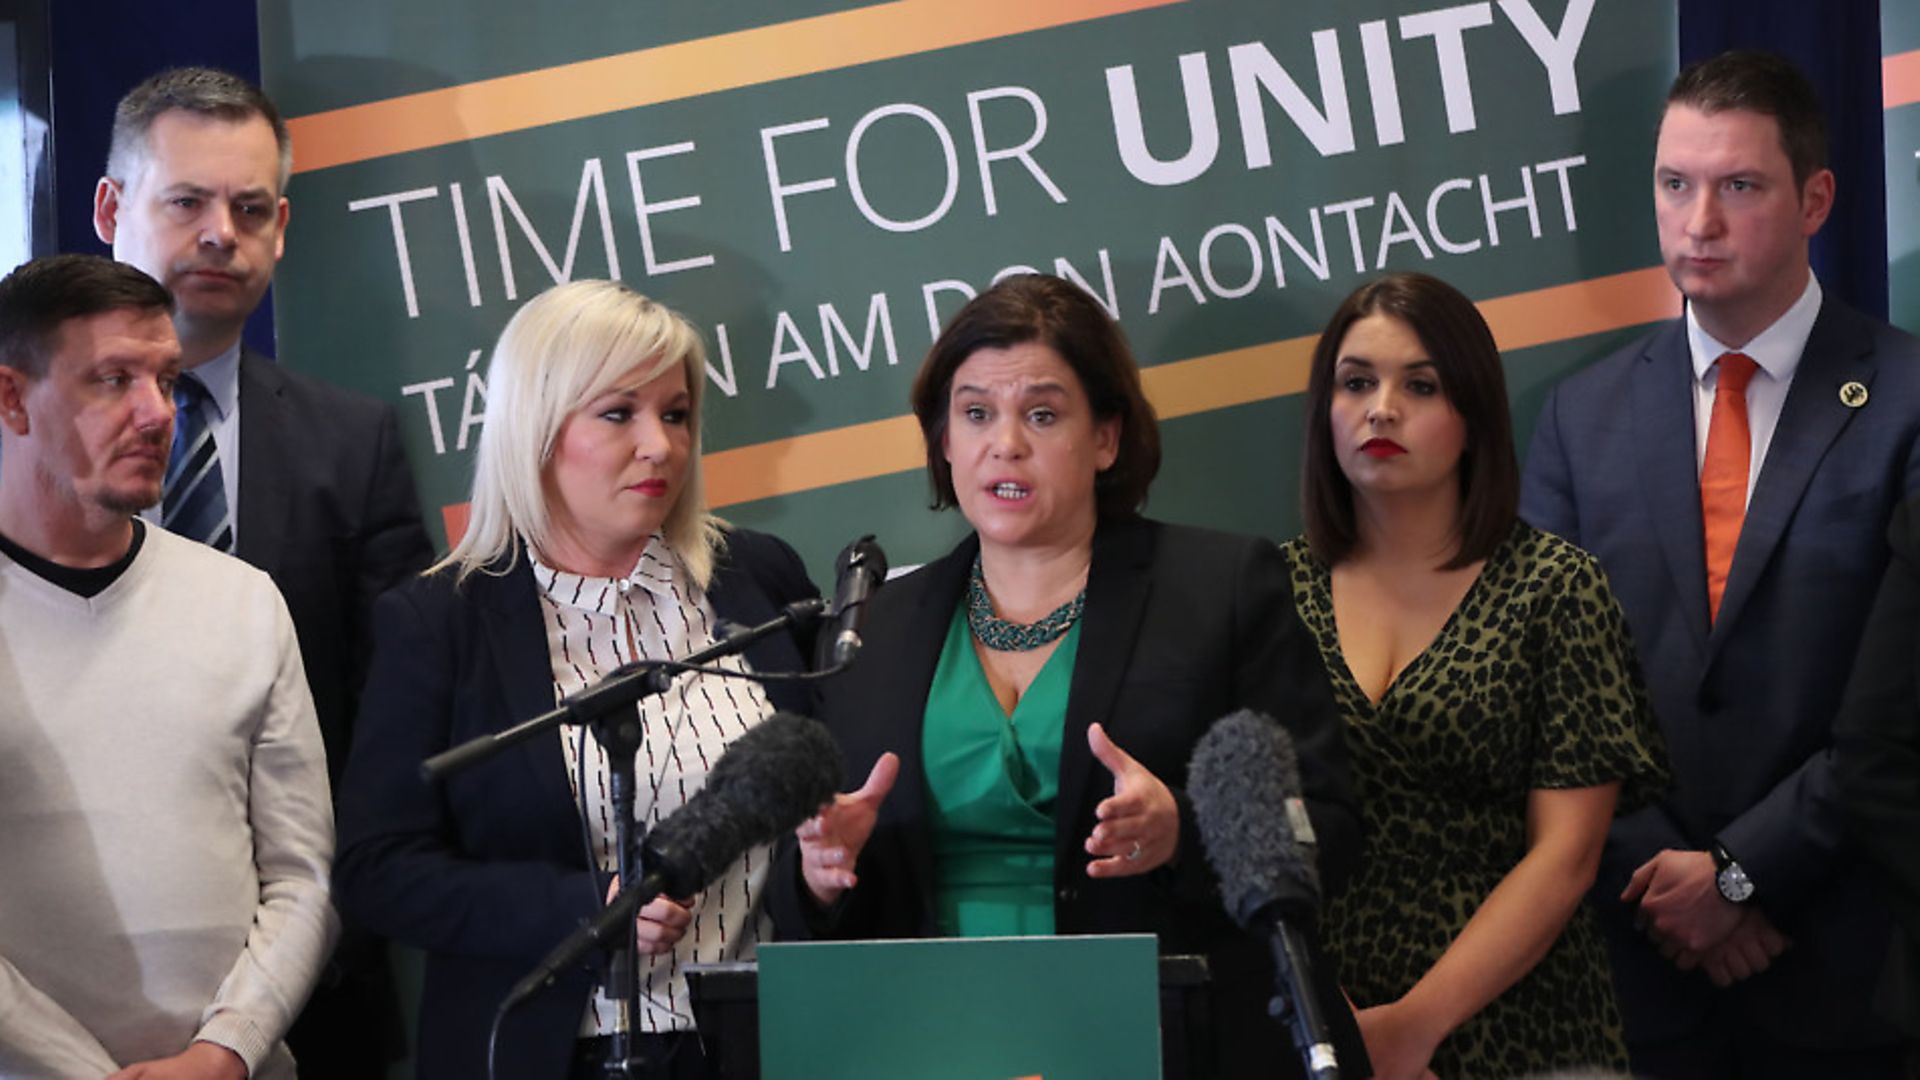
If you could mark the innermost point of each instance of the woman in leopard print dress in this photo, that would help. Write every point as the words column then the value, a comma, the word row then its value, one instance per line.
column 1495, row 717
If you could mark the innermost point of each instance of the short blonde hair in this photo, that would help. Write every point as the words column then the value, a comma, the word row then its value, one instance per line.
column 566, row 347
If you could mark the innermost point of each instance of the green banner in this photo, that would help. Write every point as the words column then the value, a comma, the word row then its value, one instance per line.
column 1900, row 39
column 819, row 184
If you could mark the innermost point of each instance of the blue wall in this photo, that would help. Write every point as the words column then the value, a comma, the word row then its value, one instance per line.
column 1837, row 43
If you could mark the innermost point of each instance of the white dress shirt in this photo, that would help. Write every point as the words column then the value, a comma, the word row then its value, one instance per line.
column 1777, row 351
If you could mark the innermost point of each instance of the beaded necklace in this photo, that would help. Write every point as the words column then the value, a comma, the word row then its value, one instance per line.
column 1003, row 636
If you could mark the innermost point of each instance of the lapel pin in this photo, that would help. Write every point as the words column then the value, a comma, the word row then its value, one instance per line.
column 1853, row 395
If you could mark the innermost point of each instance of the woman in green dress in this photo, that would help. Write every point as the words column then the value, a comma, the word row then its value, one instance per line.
column 1025, row 705
column 1495, row 718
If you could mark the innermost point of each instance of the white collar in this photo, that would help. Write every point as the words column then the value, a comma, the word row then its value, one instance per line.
column 1776, row 349
column 221, row 377
column 658, row 571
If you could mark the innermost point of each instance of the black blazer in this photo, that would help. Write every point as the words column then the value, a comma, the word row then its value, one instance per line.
column 1181, row 627
column 486, row 872
column 1877, row 757
column 1747, row 703
column 328, row 510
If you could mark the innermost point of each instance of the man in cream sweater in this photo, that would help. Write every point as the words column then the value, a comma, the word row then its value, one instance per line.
column 165, row 829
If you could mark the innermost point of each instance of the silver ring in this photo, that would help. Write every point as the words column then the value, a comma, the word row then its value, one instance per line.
column 1135, row 853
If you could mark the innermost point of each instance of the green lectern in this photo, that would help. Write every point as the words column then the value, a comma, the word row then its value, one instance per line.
column 1057, row 1008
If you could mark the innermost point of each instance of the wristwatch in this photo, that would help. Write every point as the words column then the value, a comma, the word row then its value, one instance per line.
column 1730, row 877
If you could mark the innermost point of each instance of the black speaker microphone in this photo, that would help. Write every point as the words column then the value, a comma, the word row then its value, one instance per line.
column 1244, row 781
column 772, row 778
column 860, row 569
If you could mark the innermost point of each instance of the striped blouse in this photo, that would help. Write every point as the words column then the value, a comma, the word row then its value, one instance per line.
column 595, row 625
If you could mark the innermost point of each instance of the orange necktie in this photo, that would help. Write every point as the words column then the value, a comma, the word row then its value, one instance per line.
column 1723, row 479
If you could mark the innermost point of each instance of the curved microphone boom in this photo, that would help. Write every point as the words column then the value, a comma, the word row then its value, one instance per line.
column 770, row 779
column 1244, row 781
column 860, row 569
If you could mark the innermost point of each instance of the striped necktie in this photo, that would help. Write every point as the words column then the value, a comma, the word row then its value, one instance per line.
column 196, row 501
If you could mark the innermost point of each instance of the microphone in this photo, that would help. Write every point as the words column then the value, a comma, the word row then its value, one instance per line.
column 860, row 569
column 1244, row 781
column 773, row 777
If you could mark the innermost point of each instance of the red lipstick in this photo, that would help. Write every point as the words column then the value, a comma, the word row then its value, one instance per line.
column 1382, row 448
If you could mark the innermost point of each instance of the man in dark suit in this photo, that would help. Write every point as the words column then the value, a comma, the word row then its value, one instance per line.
column 1877, row 757
column 1734, row 472
column 303, row 480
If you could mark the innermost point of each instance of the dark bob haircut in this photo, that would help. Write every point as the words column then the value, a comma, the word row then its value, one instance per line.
column 41, row 296
column 1461, row 347
column 1762, row 83
column 1065, row 318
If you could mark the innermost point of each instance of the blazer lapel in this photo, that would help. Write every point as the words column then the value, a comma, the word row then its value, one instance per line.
column 1118, row 586
column 894, row 718
column 923, row 632
column 1812, row 418
column 1663, row 435
column 263, row 463
column 738, row 598
column 509, row 609
column 733, row 592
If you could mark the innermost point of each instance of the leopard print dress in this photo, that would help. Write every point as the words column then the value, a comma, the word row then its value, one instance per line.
column 1532, row 683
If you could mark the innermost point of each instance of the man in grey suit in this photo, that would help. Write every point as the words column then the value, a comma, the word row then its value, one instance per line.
column 302, row 479
column 1734, row 472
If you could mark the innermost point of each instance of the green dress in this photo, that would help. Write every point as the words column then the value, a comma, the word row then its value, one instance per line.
column 992, row 780
column 1531, row 683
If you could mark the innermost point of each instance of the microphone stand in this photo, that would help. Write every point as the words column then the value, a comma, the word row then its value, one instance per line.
column 607, row 710
column 1295, row 1001
column 618, row 732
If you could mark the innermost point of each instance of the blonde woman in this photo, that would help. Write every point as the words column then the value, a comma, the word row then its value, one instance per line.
column 589, row 545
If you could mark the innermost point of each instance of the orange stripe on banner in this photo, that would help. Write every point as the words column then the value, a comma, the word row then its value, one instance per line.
column 1565, row 312
column 1900, row 79
column 1182, row 388
column 675, row 72
column 454, row 517
column 1540, row 317
column 814, row 460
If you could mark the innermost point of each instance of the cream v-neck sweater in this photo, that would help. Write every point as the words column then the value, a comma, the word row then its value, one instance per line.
column 165, row 827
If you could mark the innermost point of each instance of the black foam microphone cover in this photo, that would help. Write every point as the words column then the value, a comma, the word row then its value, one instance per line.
column 1244, row 780
column 773, row 777
column 770, row 779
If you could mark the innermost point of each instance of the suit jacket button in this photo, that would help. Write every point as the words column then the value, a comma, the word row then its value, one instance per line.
column 1068, row 894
